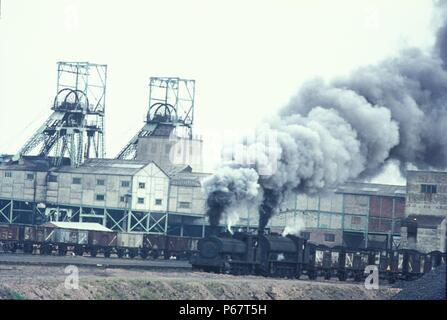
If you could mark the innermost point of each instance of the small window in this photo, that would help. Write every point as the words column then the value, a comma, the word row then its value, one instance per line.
column 125, row 184
column 158, row 202
column 30, row 176
column 8, row 174
column 356, row 220
column 329, row 237
column 305, row 235
column 76, row 181
column 122, row 199
column 52, row 178
column 141, row 200
column 100, row 197
column 141, row 185
column 428, row 188
column 184, row 205
column 100, row 182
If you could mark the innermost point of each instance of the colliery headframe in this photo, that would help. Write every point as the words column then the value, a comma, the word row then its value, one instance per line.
column 153, row 185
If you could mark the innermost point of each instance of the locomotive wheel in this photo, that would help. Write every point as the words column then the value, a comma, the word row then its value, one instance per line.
column 120, row 253
column 79, row 251
column 342, row 276
column 13, row 248
column 155, row 254
column 46, row 249
column 28, row 248
column 167, row 255
column 62, row 250
column 144, row 254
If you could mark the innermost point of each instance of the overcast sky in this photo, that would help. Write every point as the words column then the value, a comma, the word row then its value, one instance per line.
column 247, row 57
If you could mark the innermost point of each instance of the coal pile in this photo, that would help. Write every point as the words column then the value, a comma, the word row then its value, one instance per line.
column 431, row 286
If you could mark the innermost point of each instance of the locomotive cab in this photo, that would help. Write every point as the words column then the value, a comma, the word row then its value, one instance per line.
column 278, row 256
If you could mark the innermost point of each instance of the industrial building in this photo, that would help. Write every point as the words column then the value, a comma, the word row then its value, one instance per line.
column 355, row 214
column 424, row 227
column 154, row 184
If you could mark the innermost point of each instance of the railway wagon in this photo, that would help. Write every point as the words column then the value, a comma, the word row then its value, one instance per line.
column 100, row 241
column 180, row 247
column 9, row 237
column 64, row 240
column 433, row 260
column 168, row 246
column 405, row 264
column 356, row 262
column 129, row 244
column 323, row 262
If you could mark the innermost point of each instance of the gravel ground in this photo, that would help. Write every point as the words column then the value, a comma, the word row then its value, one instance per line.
column 431, row 286
column 39, row 282
column 47, row 282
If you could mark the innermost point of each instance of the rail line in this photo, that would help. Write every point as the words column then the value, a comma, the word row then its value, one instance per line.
column 52, row 260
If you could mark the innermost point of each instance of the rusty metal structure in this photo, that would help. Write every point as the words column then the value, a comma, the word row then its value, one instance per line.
column 75, row 129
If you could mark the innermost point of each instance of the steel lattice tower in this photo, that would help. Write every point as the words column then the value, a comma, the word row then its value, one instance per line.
column 171, row 112
column 75, row 129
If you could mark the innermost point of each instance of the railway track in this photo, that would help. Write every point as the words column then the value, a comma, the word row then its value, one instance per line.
column 53, row 260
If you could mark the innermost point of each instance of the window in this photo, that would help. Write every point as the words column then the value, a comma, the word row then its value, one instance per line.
column 30, row 176
column 122, row 199
column 8, row 174
column 356, row 220
column 141, row 200
column 125, row 184
column 184, row 205
column 141, row 185
column 329, row 237
column 428, row 188
column 158, row 202
column 52, row 178
column 76, row 181
column 100, row 182
column 100, row 197
column 305, row 235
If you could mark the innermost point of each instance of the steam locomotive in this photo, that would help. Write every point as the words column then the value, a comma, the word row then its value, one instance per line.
column 291, row 257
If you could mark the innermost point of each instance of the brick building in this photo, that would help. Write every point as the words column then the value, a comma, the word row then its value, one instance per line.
column 424, row 227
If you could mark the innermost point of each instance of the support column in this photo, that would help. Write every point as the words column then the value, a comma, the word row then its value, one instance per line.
column 181, row 228
column 203, row 227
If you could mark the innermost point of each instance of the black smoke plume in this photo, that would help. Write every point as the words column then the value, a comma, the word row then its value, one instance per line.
column 349, row 128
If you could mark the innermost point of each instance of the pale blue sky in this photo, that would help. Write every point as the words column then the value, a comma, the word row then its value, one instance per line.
column 247, row 57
